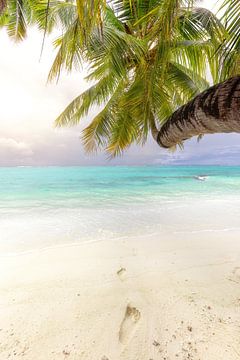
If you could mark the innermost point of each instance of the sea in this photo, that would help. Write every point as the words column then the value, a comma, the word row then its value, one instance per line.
column 42, row 207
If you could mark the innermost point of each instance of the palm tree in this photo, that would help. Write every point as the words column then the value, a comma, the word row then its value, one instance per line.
column 145, row 59
column 216, row 110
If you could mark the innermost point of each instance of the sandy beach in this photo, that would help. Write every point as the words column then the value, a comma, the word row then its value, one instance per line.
column 129, row 299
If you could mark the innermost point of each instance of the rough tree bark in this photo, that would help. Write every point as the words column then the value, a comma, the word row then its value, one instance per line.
column 216, row 110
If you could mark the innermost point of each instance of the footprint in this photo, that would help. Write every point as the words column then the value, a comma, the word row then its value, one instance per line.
column 235, row 275
column 121, row 273
column 128, row 325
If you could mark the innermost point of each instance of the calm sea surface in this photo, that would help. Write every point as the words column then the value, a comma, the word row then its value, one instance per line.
column 41, row 207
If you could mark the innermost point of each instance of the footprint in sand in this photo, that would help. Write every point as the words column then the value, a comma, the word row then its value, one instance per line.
column 128, row 325
column 122, row 273
column 235, row 275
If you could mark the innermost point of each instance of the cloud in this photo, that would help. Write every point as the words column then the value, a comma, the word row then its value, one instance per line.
column 13, row 152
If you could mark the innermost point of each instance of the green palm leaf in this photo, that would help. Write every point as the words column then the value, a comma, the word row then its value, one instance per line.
column 144, row 58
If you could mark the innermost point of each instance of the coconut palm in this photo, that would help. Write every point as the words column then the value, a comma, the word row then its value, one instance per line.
column 217, row 110
column 145, row 59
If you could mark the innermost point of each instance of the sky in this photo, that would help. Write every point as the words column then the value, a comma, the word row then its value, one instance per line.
column 29, row 106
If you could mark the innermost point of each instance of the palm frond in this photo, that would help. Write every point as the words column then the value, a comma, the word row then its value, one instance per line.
column 69, row 53
column 97, row 133
column 16, row 23
column 97, row 94
column 231, row 47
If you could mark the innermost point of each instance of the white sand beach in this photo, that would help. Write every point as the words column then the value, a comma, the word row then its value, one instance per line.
column 131, row 299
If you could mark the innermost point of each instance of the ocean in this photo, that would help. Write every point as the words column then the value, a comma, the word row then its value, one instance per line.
column 52, row 206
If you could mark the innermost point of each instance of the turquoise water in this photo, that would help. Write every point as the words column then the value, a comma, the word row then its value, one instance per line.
column 42, row 207
column 88, row 186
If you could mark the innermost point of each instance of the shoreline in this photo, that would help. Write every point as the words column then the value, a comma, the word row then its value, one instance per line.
column 176, row 298
column 73, row 227
column 169, row 235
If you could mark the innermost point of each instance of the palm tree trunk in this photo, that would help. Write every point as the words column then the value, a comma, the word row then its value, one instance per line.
column 216, row 110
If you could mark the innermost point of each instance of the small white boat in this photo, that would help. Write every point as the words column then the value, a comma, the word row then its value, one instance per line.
column 201, row 177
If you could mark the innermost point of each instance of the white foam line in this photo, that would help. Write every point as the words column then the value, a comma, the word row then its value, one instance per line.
column 206, row 230
column 77, row 244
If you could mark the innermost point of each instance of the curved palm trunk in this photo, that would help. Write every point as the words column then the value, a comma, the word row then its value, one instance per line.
column 216, row 110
